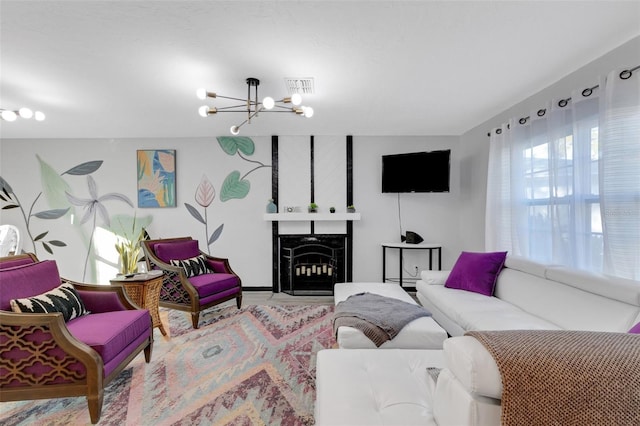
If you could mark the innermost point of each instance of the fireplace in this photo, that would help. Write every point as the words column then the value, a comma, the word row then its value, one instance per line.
column 311, row 264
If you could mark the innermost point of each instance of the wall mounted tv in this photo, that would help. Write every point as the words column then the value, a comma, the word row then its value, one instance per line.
column 416, row 172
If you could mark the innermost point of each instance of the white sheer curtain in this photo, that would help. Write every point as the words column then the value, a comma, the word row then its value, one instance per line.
column 564, row 183
column 620, row 174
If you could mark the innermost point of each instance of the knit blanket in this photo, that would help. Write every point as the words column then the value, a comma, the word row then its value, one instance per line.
column 379, row 318
column 566, row 378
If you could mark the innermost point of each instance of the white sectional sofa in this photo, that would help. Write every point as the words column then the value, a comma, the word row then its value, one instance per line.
column 530, row 295
column 392, row 387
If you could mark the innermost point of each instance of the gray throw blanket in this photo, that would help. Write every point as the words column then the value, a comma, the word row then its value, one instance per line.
column 379, row 318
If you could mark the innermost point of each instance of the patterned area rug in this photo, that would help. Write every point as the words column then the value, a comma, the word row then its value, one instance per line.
column 253, row 366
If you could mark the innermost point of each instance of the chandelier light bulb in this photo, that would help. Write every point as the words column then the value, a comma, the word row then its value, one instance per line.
column 203, row 111
column 40, row 116
column 235, row 130
column 268, row 102
column 201, row 93
column 296, row 99
column 8, row 115
column 25, row 112
column 308, row 112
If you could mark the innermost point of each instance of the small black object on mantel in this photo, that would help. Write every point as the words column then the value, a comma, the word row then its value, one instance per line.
column 411, row 238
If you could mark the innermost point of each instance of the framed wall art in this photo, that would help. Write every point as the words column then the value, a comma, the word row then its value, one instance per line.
column 156, row 177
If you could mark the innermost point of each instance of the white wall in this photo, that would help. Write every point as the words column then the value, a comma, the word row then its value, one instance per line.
column 432, row 215
column 474, row 144
column 246, row 237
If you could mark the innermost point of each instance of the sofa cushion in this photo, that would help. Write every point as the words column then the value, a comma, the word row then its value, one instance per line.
column 476, row 272
column 635, row 329
column 473, row 311
column 209, row 284
column 193, row 266
column 108, row 333
column 177, row 250
column 26, row 281
column 63, row 299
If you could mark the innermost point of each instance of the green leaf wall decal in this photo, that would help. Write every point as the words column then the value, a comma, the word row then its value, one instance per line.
column 234, row 187
column 233, row 144
column 53, row 186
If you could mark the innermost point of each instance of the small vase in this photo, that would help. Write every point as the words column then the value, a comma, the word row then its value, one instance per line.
column 332, row 210
column 271, row 207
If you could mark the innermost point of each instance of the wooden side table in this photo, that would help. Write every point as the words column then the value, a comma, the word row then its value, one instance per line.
column 144, row 290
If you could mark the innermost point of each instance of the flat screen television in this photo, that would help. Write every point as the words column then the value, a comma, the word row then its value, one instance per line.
column 416, row 172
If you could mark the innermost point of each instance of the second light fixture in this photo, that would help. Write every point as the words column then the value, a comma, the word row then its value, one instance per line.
column 252, row 106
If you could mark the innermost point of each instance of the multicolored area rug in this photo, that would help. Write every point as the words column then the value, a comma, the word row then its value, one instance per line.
column 253, row 366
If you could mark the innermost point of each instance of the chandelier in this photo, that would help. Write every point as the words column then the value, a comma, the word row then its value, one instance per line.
column 252, row 106
column 10, row 115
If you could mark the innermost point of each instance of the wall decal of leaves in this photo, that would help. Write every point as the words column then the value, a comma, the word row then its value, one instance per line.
column 54, row 188
column 205, row 194
column 235, row 185
column 94, row 207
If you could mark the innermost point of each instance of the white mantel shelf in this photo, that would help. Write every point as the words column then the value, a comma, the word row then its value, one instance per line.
column 317, row 217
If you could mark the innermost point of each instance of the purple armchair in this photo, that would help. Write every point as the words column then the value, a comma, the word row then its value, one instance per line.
column 44, row 356
column 193, row 281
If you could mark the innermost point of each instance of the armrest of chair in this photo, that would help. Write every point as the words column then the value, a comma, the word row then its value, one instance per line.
column 219, row 264
column 103, row 298
column 43, row 340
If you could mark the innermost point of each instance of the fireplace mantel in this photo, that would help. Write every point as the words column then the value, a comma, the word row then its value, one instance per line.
column 317, row 217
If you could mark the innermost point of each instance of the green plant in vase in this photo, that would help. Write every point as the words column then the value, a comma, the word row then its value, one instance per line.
column 313, row 207
column 128, row 242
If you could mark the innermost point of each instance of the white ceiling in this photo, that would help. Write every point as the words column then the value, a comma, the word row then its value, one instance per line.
column 119, row 69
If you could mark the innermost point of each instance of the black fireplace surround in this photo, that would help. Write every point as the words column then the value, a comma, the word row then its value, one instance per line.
column 311, row 264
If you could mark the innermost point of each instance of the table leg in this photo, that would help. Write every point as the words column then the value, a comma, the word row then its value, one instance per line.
column 400, row 268
column 384, row 264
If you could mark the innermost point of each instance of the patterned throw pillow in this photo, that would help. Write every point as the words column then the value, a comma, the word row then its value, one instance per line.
column 64, row 299
column 193, row 266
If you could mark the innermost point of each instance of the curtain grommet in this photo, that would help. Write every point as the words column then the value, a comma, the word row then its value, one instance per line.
column 626, row 74
column 587, row 92
column 542, row 112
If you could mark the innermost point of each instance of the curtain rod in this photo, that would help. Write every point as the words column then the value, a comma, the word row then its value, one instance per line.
column 624, row 75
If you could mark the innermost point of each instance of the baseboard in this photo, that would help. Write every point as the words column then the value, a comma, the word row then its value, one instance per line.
column 257, row 288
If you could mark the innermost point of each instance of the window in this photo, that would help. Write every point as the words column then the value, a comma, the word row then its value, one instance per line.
column 564, row 184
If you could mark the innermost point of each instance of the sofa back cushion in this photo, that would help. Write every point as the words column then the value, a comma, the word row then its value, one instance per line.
column 572, row 307
column 26, row 281
column 178, row 250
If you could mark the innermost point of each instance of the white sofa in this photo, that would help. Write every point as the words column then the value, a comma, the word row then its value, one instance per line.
column 530, row 295
column 392, row 387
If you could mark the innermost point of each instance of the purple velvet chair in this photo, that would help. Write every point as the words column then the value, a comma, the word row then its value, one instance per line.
column 189, row 284
column 42, row 356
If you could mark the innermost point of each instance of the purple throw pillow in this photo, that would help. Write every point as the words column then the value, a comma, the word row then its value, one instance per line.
column 476, row 272
column 635, row 329
column 179, row 250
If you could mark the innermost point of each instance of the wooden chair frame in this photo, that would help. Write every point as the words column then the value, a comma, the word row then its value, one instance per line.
column 13, row 326
column 175, row 280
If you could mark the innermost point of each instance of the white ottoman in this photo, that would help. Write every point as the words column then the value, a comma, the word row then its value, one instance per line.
column 422, row 333
column 374, row 388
